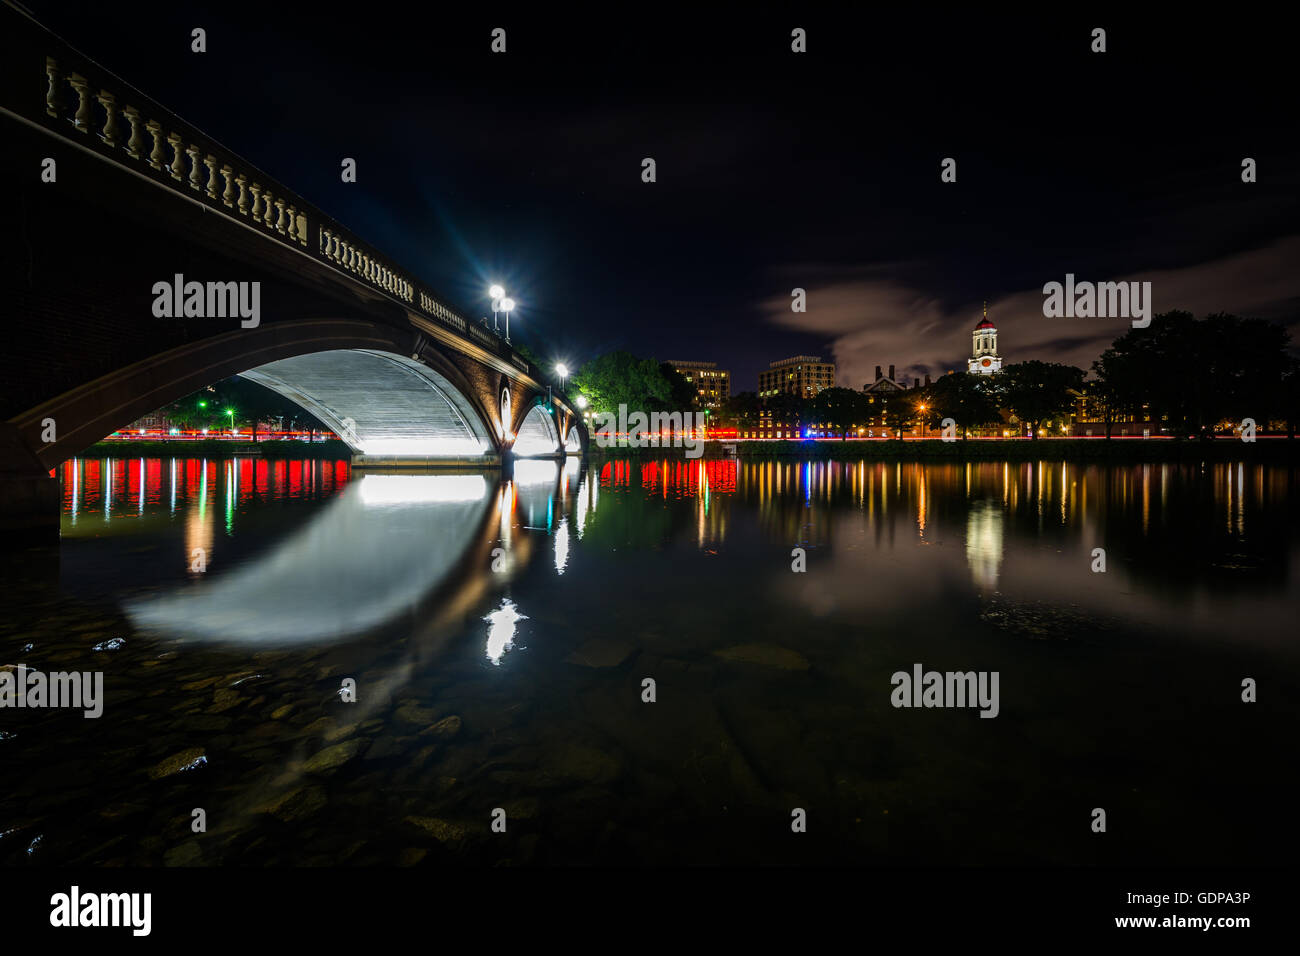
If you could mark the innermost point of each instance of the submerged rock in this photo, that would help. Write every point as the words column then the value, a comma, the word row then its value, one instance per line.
column 766, row 655
column 444, row 831
column 178, row 763
column 444, row 729
column 293, row 804
column 413, row 713
column 331, row 758
column 187, row 854
column 585, row 764
column 602, row 652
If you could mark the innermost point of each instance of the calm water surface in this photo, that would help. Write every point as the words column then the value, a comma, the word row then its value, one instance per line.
column 499, row 632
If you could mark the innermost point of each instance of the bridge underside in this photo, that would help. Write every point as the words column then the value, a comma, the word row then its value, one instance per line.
column 384, row 406
column 537, row 436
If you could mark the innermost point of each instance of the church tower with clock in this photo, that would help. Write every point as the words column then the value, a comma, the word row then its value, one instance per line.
column 984, row 358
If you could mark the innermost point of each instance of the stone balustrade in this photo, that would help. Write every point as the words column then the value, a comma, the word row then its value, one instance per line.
column 189, row 163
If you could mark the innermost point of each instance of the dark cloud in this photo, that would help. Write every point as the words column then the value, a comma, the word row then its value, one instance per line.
column 876, row 321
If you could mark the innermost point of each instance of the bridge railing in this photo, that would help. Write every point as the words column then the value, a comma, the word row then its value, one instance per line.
column 88, row 104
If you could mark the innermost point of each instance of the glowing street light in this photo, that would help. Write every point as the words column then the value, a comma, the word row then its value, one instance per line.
column 581, row 401
column 562, row 370
column 231, row 413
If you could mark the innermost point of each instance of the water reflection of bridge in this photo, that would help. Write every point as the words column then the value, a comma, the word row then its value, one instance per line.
column 385, row 546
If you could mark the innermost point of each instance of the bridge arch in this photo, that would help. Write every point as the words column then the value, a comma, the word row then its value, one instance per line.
column 537, row 435
column 381, row 404
column 295, row 359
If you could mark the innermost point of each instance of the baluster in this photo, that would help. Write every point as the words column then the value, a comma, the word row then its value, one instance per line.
column 266, row 216
column 291, row 225
column 256, row 190
column 81, row 119
column 155, row 130
column 53, row 99
column 210, row 161
column 135, row 141
column 177, row 167
column 242, row 202
column 196, row 177
column 302, row 230
column 111, row 128
column 228, row 194
column 279, row 222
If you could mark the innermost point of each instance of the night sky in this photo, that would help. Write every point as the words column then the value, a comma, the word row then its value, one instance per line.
column 775, row 170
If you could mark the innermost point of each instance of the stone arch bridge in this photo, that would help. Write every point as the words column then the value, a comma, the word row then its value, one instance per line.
column 141, row 260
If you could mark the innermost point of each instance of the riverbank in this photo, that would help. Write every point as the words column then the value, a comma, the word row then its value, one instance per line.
column 1053, row 449
column 331, row 449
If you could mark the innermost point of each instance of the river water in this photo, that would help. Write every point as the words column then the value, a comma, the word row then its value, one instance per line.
column 618, row 662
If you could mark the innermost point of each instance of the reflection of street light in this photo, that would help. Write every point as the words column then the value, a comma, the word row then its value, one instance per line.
column 507, row 306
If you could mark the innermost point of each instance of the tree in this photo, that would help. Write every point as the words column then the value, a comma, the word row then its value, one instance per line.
column 1100, row 399
column 840, row 408
column 620, row 378
column 791, row 412
column 1035, row 391
column 741, row 409
column 1289, row 399
column 965, row 398
column 683, row 395
column 901, row 410
column 1196, row 373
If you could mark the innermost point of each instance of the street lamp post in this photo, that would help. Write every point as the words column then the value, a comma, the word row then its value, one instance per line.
column 496, row 294
column 507, row 306
column 562, row 370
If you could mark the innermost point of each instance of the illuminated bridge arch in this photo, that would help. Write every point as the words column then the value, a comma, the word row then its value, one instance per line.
column 537, row 435
column 382, row 405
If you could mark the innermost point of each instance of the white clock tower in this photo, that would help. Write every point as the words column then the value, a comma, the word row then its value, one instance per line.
column 984, row 358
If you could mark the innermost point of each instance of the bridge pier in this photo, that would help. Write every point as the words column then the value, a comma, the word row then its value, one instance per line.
column 29, row 495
